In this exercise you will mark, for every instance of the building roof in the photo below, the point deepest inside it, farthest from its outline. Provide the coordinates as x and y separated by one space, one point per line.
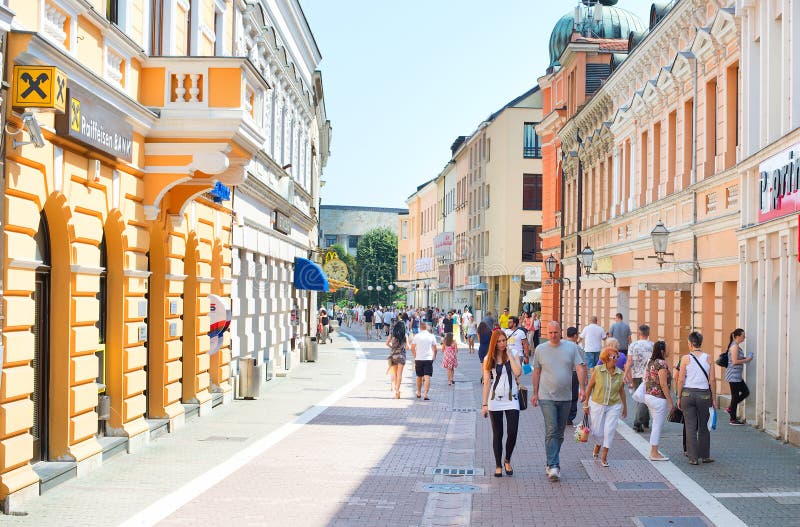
616 23
368 209
513 103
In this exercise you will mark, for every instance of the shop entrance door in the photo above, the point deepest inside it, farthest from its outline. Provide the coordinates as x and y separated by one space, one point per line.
41 345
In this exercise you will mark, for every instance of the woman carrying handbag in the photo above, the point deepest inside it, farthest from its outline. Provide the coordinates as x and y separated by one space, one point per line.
697 397
501 399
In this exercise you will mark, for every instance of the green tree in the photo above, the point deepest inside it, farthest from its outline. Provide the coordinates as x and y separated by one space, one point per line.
376 265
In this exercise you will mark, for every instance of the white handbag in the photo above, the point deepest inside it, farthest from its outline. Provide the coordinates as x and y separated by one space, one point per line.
638 395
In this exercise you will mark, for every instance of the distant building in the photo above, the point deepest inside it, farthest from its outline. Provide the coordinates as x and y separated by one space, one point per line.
346 224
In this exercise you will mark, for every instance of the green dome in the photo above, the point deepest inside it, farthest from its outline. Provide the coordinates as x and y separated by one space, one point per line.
616 23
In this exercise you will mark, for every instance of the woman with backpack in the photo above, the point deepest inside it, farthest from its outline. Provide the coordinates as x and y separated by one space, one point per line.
734 373
501 399
397 344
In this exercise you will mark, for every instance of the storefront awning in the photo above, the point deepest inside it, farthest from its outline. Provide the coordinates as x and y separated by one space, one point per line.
309 275
533 296
482 286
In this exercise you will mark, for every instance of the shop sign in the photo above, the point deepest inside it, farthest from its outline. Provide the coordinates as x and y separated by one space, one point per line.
39 87
665 286
96 124
602 265
443 245
445 277
423 265
282 223
533 274
780 185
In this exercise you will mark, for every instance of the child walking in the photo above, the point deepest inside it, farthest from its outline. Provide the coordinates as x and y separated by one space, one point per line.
449 357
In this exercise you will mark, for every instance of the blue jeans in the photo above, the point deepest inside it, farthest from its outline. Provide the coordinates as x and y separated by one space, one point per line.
592 357
555 420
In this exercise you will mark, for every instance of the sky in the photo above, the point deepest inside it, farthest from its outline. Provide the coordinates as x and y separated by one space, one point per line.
403 79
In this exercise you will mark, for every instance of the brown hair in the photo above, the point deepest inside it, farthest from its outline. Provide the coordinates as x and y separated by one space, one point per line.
490 360
448 339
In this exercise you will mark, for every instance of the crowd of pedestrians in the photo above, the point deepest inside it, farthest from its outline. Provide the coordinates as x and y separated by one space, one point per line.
591 366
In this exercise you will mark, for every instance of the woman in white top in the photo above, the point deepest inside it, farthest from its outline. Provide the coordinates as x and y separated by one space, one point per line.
696 397
500 398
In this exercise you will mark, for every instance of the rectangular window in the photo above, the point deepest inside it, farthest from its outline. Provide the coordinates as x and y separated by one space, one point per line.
404 230
330 239
403 265
711 127
688 142
352 242
531 243
531 146
112 11
531 192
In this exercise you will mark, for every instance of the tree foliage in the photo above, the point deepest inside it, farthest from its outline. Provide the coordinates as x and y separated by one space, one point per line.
376 265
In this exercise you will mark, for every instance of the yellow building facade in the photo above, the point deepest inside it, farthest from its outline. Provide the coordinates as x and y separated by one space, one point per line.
116 231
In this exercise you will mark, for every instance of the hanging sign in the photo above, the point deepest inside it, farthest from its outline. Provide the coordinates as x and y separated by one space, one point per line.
39 87
96 124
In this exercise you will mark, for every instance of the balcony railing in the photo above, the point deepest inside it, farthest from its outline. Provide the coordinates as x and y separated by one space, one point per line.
532 152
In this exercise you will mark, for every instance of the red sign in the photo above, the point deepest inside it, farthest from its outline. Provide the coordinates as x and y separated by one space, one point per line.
780 185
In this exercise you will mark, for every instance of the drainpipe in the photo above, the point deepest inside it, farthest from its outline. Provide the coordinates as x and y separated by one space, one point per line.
692 180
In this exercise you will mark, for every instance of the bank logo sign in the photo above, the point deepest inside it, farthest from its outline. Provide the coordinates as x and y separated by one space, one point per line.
39 87
96 124
780 184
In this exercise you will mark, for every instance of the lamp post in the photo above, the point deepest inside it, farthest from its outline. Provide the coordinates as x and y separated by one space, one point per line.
390 287
370 289
587 258
379 289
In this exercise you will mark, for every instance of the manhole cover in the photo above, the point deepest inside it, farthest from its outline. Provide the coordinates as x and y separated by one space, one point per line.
671 521
225 438
454 471
464 410
641 485
450 488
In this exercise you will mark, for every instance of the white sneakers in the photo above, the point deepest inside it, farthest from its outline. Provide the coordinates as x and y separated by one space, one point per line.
553 474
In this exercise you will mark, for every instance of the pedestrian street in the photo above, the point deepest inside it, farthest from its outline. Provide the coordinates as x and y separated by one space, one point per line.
332 446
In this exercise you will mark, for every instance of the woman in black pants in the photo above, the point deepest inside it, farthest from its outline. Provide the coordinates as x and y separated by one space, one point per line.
734 374
500 398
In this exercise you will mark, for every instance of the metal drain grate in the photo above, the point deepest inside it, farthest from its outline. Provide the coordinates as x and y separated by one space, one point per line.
463 410
454 471
225 438
671 521
450 488
641 485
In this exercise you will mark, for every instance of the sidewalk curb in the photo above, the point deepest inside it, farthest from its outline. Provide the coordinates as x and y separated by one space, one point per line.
170 503
702 499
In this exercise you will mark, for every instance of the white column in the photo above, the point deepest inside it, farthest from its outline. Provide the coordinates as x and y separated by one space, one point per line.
615 182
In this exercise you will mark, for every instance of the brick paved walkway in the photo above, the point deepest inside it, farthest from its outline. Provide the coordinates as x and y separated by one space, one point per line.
365 461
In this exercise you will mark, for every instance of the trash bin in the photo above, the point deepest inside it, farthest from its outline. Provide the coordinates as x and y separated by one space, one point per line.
250 378
311 349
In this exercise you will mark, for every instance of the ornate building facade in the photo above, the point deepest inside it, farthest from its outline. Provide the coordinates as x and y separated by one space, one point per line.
117 218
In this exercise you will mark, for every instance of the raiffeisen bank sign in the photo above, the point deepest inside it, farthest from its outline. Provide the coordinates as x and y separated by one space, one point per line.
780 184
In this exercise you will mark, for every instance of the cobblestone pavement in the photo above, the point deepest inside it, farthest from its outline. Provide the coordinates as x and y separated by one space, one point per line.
366 459
366 462
746 461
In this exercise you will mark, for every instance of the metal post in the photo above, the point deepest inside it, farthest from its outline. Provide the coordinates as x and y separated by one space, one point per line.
578 245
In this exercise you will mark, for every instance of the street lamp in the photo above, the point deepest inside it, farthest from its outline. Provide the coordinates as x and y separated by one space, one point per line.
660 237
550 265
379 289
370 288
587 258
